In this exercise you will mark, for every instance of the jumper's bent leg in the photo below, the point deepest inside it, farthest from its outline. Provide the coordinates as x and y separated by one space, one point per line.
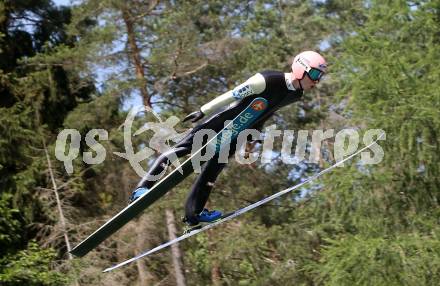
161 163
201 189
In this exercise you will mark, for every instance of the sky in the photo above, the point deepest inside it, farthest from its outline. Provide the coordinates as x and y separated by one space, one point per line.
62 2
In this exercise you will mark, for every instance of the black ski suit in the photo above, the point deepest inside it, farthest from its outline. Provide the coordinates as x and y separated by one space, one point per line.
276 87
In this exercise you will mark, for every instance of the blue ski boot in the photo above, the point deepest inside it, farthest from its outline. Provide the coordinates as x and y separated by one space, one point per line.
209 216
198 221
136 194
204 216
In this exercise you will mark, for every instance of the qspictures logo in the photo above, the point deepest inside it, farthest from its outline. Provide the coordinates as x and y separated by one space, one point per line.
308 148
163 138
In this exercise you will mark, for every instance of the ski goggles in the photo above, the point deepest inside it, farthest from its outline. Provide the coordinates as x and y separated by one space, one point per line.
313 73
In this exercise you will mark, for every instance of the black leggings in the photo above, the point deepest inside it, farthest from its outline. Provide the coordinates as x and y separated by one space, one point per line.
204 183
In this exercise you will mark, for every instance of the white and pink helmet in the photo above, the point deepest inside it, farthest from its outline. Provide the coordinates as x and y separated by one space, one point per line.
310 63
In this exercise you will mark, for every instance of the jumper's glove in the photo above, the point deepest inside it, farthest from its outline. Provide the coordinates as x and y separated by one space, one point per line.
194 116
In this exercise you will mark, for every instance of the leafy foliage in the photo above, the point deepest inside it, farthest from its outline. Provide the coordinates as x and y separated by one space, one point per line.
31 267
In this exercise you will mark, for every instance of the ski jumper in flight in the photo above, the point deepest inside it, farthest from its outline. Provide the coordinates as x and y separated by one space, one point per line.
278 88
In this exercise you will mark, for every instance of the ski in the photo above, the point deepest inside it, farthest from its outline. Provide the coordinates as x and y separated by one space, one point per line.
231 130
196 230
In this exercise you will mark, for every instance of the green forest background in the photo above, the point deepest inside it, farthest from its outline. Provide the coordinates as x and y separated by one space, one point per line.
83 65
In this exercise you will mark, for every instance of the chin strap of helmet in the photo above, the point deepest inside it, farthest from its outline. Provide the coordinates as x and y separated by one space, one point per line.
299 81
